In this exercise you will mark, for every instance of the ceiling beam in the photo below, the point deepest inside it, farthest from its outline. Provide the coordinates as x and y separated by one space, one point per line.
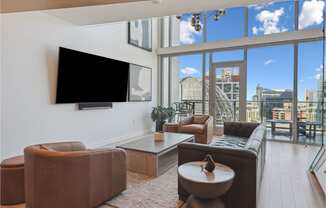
9 6
246 42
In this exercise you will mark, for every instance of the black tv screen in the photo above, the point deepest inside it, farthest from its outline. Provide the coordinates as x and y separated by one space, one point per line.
86 78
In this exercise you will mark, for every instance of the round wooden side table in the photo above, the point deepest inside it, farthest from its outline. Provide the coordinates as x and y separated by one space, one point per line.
205 187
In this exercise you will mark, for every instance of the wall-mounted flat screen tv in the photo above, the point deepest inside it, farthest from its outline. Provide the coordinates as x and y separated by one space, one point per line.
87 78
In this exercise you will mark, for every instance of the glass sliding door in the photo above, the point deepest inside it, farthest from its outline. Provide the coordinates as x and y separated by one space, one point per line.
226 100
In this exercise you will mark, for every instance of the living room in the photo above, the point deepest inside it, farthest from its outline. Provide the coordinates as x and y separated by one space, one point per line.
197 80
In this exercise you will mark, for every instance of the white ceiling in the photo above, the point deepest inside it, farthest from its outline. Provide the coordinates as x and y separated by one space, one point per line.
143 9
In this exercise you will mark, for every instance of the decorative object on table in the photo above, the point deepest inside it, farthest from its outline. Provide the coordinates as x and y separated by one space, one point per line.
140 33
159 136
160 115
210 163
205 189
140 83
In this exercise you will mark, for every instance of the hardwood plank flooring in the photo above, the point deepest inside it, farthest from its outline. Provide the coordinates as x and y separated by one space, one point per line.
287 182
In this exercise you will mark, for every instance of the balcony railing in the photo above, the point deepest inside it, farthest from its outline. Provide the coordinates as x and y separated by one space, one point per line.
277 114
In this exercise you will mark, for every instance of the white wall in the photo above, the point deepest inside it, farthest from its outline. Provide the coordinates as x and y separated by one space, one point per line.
30 42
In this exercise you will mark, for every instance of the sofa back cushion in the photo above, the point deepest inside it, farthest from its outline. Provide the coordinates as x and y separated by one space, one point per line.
240 129
186 121
199 119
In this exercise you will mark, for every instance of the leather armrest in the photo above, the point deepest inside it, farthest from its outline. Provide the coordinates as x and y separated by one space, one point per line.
107 166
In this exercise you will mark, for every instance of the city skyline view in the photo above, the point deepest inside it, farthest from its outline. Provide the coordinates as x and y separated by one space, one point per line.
270 67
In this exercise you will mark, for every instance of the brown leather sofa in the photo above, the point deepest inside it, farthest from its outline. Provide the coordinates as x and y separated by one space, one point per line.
67 175
243 149
199 125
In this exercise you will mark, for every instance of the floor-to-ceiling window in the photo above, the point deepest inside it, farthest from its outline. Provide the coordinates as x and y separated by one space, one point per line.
310 69
270 89
183 76
260 82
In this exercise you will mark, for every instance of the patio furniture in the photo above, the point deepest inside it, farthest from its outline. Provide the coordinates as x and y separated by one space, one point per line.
302 127
184 109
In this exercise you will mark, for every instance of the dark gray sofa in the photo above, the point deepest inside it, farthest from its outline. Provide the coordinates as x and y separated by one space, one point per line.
243 148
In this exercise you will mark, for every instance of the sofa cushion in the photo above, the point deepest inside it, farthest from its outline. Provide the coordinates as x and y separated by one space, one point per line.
192 129
199 119
231 141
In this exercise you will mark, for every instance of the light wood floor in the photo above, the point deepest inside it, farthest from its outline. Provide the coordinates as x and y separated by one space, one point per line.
287 182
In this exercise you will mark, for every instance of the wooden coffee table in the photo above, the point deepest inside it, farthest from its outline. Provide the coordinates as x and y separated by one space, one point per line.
205 187
149 157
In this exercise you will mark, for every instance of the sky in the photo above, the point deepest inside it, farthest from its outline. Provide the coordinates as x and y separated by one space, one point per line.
271 67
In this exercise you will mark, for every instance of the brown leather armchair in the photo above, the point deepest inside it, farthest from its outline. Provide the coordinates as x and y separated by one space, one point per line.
68 175
199 125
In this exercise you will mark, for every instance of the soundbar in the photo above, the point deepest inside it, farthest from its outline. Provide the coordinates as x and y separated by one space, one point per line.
94 106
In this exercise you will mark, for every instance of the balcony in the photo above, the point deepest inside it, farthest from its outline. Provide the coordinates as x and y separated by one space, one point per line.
276 114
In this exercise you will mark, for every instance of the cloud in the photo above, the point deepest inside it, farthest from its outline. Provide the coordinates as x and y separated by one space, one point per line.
260 6
188 71
269 21
268 62
311 13
187 32
320 68
255 30
317 76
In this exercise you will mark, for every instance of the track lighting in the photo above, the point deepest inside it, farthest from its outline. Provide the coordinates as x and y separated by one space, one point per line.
218 14
195 18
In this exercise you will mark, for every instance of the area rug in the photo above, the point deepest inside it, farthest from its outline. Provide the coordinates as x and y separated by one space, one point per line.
145 192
